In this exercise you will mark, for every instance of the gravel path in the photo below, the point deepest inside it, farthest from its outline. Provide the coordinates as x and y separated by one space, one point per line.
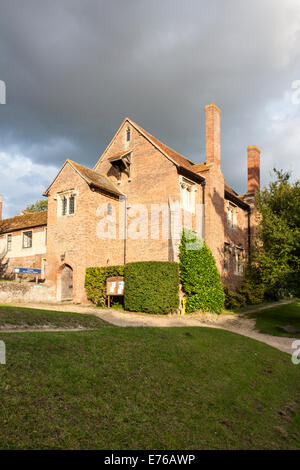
236 323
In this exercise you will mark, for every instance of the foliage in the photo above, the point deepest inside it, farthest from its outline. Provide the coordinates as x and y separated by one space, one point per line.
277 251
268 321
233 300
199 275
95 282
250 291
152 287
38 206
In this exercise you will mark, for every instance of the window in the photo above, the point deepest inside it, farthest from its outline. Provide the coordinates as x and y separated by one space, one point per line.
226 256
187 190
71 205
238 261
9 237
128 134
109 209
66 204
231 216
27 239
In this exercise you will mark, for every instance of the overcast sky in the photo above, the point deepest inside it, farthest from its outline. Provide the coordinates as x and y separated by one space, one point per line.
74 70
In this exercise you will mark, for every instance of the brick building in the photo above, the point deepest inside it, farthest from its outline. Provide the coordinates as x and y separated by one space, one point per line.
133 204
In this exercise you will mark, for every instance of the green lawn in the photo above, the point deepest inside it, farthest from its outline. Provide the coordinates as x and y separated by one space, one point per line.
147 388
17 317
268 319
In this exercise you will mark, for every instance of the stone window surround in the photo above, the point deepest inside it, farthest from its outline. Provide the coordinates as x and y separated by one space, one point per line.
239 255
233 209
60 196
191 187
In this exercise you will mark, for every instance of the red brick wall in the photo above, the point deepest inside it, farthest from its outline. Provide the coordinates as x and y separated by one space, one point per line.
235 236
154 179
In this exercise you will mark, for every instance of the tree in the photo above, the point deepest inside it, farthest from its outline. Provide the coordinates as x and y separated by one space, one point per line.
38 206
277 251
199 275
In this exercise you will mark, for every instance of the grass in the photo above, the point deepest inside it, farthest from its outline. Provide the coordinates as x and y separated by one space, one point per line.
147 388
268 319
17 317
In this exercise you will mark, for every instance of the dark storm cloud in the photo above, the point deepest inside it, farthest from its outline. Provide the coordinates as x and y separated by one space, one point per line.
75 69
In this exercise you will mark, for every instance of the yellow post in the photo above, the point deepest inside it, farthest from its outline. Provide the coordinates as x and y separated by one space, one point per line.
183 305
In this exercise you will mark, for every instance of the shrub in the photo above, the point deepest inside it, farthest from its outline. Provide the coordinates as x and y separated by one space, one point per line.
233 300
152 287
199 275
95 282
252 292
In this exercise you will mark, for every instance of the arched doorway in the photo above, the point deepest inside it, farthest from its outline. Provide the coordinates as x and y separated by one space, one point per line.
66 283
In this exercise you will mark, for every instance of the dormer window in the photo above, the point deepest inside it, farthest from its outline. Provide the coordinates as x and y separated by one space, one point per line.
128 134
121 164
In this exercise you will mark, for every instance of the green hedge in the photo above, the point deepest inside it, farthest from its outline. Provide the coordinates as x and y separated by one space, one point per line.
95 282
152 287
199 275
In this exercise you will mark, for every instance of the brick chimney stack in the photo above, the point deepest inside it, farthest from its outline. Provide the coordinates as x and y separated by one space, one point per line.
253 168
213 134
0 207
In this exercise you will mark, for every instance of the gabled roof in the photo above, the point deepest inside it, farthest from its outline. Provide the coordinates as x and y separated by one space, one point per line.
92 178
178 159
30 220
171 154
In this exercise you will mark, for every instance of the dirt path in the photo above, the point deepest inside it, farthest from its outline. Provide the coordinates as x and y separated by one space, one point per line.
236 323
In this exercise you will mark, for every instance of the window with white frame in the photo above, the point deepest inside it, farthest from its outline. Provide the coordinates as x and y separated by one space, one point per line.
238 261
9 240
27 239
66 203
187 193
231 215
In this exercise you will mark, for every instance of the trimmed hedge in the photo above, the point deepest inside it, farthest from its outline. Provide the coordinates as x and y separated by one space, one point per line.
199 275
152 287
95 282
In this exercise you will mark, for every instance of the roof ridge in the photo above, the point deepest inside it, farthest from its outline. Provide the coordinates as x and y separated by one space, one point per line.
158 143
